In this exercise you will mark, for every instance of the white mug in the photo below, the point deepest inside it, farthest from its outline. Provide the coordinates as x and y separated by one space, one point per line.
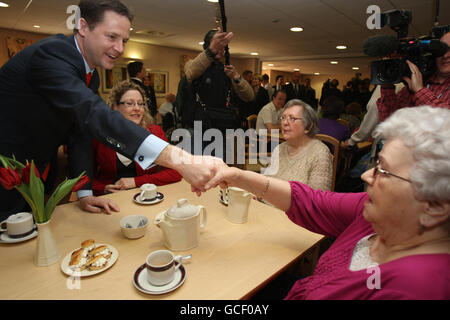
148 192
238 204
18 225
161 266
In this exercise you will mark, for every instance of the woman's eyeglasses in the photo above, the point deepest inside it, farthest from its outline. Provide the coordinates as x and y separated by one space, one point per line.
289 119
377 169
131 104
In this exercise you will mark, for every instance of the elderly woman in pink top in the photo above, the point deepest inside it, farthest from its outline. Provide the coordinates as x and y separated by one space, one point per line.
392 242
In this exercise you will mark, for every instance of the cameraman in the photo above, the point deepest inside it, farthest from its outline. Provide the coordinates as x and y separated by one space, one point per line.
435 91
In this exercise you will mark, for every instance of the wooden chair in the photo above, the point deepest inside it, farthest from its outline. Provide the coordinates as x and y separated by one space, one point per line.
251 121
330 141
344 122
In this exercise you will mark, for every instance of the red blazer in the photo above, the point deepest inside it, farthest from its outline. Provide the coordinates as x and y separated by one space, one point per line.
105 168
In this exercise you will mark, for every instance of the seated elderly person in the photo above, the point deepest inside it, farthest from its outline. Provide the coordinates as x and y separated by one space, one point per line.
269 116
114 172
392 242
301 157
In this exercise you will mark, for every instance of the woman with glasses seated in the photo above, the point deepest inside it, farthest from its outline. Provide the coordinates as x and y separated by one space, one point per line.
393 241
114 172
301 157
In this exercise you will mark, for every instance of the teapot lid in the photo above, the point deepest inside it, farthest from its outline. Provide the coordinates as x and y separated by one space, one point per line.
183 209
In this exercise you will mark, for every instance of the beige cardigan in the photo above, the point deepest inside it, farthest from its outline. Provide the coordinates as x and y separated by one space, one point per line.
313 166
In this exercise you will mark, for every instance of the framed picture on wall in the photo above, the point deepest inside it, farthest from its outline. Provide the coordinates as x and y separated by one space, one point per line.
14 45
111 77
160 82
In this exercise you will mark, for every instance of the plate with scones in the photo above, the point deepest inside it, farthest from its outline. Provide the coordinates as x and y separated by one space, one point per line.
89 259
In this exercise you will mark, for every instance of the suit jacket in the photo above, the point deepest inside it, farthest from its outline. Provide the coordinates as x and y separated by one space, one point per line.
292 94
44 103
105 167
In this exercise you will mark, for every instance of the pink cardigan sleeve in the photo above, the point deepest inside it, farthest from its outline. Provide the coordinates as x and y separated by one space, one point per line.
324 212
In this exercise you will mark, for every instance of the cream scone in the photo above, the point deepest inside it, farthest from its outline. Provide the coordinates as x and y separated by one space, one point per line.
81 251
88 244
78 262
103 250
96 263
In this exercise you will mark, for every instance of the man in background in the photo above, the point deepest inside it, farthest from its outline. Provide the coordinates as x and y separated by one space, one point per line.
136 71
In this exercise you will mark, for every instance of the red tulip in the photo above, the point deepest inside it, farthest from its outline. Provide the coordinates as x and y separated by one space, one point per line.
80 184
26 173
9 178
45 173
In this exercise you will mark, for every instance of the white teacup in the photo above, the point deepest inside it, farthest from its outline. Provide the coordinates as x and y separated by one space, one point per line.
161 266
18 225
148 192
238 204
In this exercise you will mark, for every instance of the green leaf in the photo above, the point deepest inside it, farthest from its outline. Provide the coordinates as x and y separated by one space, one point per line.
61 191
37 193
11 162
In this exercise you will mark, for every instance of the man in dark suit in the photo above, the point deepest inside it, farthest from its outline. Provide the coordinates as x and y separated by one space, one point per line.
294 90
136 72
44 103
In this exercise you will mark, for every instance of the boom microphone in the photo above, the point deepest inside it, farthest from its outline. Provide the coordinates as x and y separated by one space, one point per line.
380 45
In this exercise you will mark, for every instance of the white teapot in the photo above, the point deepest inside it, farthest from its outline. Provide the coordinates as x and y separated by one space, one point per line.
181 225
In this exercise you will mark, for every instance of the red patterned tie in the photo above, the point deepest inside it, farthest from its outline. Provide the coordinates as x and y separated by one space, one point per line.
88 78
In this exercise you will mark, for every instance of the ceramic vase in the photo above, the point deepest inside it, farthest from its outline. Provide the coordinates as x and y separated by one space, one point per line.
47 252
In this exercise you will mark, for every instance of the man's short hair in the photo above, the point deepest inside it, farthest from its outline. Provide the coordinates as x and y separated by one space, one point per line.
134 68
275 93
93 11
278 77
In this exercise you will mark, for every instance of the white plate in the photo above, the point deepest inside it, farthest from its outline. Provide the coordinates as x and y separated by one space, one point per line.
141 283
85 273
158 199
4 238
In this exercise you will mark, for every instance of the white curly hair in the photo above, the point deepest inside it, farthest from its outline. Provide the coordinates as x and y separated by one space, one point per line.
426 131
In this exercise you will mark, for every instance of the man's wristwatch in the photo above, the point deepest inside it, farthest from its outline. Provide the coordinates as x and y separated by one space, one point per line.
238 80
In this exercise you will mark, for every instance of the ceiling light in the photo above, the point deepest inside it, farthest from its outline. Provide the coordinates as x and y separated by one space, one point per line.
36 26
270 64
341 47
201 43
296 29
316 73
296 69
213 0
355 68
4 5
333 62
131 29
254 53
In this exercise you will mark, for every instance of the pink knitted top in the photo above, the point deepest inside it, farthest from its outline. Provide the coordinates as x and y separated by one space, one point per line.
339 215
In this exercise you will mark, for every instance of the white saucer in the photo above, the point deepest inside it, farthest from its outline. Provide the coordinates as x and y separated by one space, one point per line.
157 199
4 238
141 283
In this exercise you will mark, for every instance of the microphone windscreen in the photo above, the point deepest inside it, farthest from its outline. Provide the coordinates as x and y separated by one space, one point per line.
380 45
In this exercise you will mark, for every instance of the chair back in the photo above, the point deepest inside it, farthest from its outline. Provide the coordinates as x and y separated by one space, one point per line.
333 144
251 121
344 122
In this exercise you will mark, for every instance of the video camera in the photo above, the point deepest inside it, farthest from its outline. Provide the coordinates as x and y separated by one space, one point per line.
422 51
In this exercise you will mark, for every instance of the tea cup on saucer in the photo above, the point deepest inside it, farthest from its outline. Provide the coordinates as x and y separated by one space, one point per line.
18 225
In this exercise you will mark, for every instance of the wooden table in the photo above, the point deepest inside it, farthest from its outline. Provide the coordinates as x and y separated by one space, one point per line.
231 262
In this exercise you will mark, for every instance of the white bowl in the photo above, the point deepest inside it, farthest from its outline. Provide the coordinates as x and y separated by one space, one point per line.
130 226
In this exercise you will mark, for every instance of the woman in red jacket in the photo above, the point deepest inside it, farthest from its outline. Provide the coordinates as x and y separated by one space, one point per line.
114 172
